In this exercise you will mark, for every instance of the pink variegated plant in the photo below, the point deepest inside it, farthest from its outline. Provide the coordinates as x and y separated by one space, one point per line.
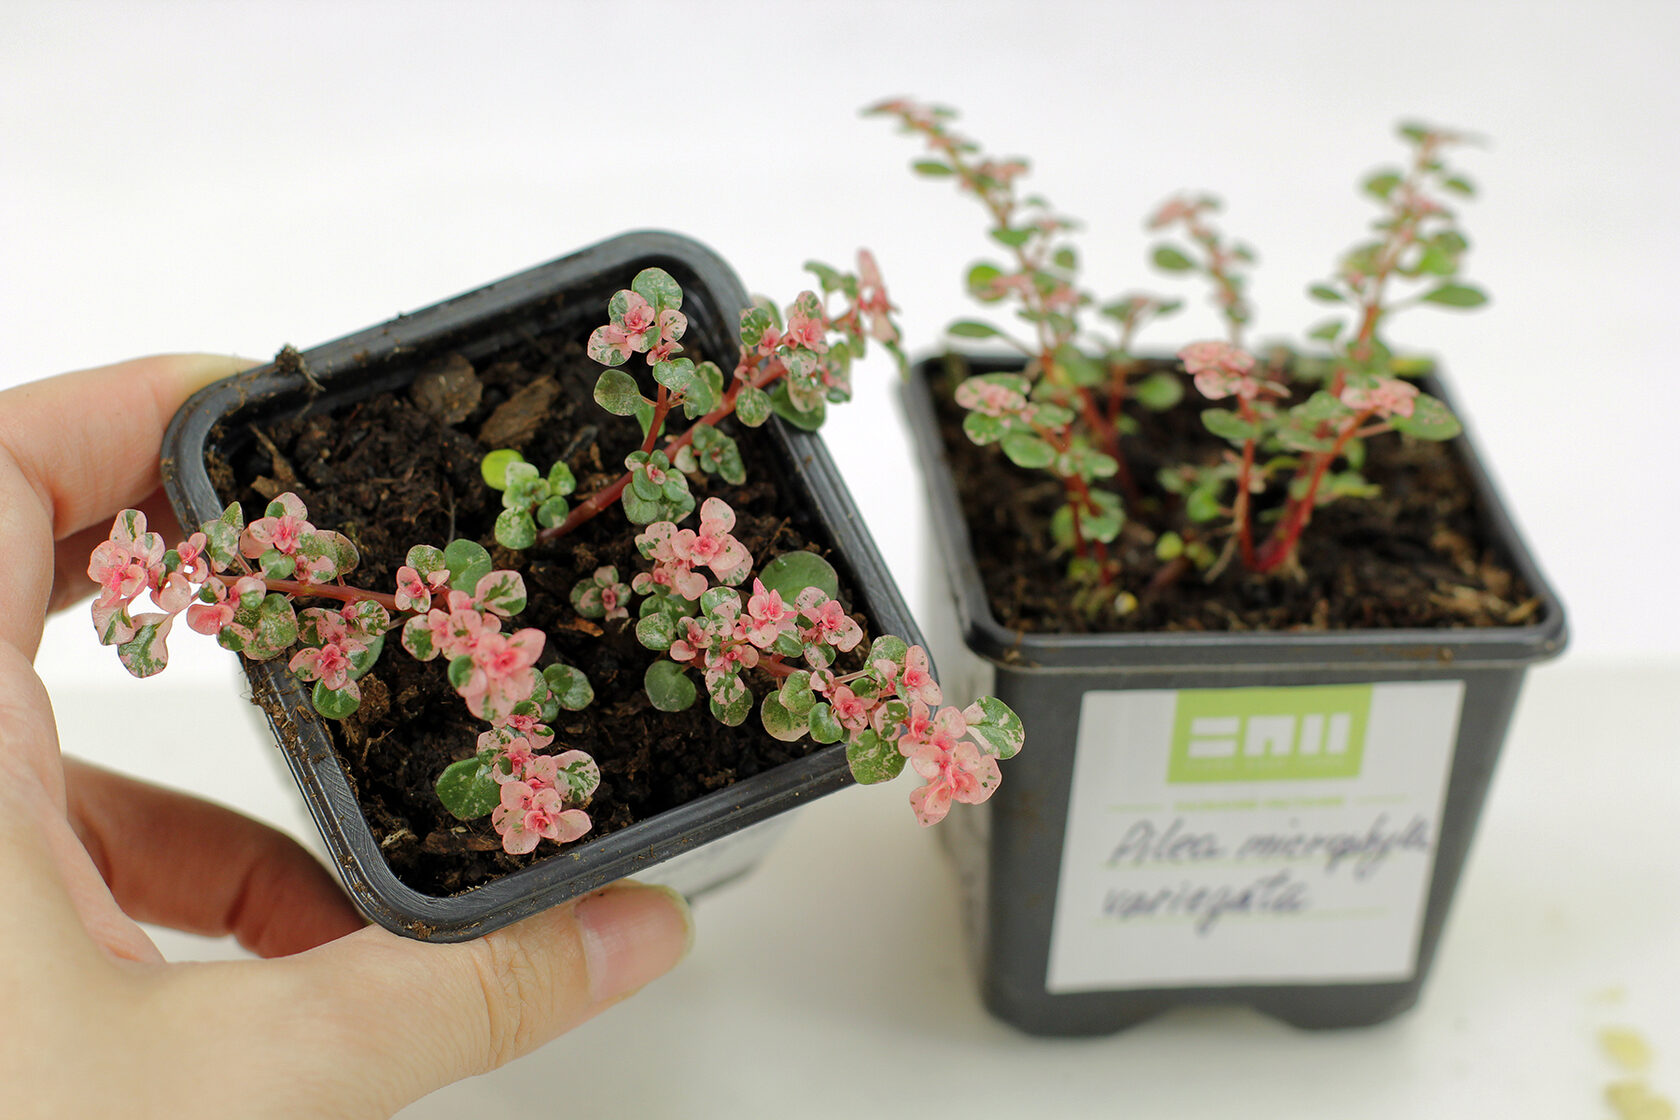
1296 423
781 651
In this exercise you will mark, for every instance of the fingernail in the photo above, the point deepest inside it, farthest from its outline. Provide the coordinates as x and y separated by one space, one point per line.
633 933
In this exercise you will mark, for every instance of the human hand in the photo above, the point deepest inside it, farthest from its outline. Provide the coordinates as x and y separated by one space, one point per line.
349 1021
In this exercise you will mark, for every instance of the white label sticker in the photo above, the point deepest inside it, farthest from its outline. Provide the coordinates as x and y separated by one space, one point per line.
1251 835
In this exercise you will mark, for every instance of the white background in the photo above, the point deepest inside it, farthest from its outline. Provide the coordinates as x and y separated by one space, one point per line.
233 177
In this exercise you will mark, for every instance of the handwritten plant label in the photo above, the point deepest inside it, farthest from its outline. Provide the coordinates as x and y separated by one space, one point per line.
1251 835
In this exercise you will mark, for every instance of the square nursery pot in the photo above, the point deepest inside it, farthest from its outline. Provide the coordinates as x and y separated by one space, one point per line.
1277 819
692 847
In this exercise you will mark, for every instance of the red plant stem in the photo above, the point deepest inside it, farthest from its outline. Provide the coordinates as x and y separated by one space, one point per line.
301 590
1399 236
1222 279
1001 213
1080 498
661 409
776 667
1239 508
1281 545
592 506
1108 436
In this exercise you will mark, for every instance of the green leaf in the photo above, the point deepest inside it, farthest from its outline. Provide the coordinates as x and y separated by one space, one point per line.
1456 295
656 631
1169 259
1081 370
1159 391
501 592
999 731
276 628
642 511
1327 330
542 703
705 392
888 647
1430 419
982 429
756 320
468 563
1025 449
1459 185
425 559
617 392
1382 184
824 727
335 703
981 278
677 375
1202 504
873 759
826 275
792 572
781 723
932 168
515 529
571 688
468 789
363 660
972 328
1228 425
552 512
1013 238
145 654
782 406
460 671
796 694
276 564
752 406
657 287
417 638
561 481
1061 527
714 597
1104 523
494 466
1350 484
222 535
1322 405
734 711
1325 294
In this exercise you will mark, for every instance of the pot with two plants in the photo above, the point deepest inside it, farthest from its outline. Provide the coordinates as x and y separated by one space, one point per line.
1260 610
552 583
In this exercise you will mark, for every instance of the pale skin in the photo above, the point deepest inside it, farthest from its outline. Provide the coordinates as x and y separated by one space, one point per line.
342 1019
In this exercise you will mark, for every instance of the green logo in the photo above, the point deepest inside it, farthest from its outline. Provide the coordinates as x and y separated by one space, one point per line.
1269 734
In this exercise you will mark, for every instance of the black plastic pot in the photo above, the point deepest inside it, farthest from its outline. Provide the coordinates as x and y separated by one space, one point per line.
1081 899
700 844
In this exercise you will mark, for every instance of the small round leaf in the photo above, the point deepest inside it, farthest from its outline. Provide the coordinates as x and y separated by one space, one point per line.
669 687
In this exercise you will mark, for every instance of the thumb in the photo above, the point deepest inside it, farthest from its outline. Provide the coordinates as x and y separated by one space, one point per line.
403 1018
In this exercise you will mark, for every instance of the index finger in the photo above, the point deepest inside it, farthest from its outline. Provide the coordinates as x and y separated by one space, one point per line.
74 449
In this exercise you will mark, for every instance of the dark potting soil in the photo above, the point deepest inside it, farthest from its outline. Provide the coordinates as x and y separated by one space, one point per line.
402 468
1414 556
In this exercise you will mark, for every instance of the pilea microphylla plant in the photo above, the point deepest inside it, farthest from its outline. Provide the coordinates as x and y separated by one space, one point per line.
1295 423
774 637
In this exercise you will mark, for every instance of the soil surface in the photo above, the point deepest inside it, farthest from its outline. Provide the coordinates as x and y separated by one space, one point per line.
402 468
1414 556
